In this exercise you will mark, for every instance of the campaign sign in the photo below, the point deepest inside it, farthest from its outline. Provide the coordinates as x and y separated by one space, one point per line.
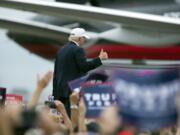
146 96
97 97
97 77
75 85
2 95
13 99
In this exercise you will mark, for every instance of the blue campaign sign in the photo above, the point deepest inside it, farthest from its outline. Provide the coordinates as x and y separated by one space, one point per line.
97 97
75 85
146 96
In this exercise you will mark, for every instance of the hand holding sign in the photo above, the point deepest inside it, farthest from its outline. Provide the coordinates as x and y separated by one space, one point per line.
74 98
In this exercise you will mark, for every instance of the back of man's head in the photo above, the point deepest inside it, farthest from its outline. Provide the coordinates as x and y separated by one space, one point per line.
78 32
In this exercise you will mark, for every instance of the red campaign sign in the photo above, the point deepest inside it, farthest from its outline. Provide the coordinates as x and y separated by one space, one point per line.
14 99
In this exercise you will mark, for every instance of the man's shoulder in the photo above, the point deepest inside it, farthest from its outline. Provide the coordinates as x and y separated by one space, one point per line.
74 47
68 45
71 45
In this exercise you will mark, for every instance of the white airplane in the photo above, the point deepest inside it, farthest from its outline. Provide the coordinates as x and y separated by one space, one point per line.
122 29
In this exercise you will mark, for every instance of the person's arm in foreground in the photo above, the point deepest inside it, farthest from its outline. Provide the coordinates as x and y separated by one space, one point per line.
41 84
74 99
82 113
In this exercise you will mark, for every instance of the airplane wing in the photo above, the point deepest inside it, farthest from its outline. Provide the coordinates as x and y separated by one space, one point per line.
34 28
39 29
131 27
81 12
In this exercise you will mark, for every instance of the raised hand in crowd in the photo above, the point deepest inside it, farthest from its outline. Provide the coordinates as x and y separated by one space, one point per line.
166 131
44 81
109 121
177 131
41 84
61 109
74 98
78 112
103 55
82 115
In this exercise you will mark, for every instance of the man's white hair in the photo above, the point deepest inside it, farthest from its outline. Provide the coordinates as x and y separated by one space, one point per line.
73 38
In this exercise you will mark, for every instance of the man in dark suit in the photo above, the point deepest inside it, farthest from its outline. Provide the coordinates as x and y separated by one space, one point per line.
71 63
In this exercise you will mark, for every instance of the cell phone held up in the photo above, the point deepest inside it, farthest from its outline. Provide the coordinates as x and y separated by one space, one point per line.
50 104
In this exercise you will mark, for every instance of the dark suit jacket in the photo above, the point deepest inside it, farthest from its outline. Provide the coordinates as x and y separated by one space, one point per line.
70 64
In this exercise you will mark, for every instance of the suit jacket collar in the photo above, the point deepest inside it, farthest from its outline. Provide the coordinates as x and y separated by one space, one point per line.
75 43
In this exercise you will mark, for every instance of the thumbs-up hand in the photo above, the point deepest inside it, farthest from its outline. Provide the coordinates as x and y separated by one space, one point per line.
103 55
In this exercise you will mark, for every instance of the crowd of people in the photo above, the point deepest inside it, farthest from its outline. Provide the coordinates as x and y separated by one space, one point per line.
19 119
35 119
